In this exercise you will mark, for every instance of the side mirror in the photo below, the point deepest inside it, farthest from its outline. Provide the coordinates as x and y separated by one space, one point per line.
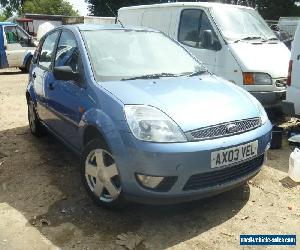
65 73
217 45
207 39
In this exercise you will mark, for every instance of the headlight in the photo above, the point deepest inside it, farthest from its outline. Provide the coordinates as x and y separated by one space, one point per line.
257 79
150 124
262 112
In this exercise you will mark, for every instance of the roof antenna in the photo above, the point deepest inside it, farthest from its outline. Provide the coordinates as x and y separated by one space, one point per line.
107 5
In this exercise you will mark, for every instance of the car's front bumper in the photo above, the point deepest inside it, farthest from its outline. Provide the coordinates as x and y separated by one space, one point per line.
182 160
270 99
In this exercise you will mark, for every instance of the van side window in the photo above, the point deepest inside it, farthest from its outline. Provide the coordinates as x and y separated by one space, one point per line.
67 51
22 37
195 30
15 35
47 51
11 34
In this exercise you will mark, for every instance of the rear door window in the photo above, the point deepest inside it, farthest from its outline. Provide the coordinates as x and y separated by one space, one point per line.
47 51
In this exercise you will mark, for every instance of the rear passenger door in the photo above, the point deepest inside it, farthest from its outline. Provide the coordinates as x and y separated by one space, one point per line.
65 98
194 27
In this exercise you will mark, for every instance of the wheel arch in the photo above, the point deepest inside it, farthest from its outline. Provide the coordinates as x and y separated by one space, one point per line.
27 57
95 124
30 94
90 133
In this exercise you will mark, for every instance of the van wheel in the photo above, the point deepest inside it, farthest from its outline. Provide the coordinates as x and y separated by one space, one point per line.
35 125
27 66
28 63
100 175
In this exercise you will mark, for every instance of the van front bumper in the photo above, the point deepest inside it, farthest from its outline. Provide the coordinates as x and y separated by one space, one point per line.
270 99
188 163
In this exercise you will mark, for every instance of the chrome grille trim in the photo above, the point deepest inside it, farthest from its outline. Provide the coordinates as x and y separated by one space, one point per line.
280 82
221 130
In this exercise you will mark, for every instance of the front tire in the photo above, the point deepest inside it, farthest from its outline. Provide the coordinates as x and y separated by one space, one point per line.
35 125
100 175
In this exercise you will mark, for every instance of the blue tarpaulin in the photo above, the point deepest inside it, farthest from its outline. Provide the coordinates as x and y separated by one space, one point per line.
3 58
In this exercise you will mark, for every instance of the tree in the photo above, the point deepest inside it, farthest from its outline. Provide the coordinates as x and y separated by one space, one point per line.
99 7
269 9
10 6
49 7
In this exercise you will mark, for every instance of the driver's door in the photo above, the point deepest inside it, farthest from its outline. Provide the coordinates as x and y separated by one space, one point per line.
14 50
17 43
65 99
193 27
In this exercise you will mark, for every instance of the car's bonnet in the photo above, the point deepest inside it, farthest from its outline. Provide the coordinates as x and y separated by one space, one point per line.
192 102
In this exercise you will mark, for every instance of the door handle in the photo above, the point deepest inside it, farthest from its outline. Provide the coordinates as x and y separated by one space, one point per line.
34 75
51 86
298 57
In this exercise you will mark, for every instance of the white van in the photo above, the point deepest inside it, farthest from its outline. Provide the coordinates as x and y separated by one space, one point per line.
293 90
232 41
16 47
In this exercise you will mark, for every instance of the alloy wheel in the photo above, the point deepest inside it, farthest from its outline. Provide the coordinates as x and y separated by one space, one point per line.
102 176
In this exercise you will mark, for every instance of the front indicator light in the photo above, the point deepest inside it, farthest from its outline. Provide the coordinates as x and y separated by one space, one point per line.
248 78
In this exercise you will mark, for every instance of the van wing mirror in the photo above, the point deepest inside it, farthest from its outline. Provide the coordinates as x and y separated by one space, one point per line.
207 39
65 73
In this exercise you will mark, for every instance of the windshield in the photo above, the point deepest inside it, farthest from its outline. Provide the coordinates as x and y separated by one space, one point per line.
124 54
241 23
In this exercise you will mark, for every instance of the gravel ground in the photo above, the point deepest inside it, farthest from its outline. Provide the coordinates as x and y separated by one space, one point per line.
43 204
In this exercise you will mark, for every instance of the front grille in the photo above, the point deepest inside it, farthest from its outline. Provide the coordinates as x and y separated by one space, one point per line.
225 175
224 129
280 82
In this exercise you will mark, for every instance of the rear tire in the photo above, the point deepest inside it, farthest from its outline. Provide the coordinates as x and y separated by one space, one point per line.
27 66
35 125
100 176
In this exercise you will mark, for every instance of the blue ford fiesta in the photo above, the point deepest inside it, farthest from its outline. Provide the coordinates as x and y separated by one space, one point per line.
149 122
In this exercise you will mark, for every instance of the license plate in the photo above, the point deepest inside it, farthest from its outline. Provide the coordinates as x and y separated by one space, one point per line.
233 155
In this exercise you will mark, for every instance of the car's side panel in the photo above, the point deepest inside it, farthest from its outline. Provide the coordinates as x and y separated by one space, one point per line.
3 57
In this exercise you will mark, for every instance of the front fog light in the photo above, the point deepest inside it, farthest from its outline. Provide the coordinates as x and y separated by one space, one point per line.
156 183
149 181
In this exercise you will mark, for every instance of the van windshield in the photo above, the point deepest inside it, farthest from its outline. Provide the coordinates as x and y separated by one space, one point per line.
127 54
240 23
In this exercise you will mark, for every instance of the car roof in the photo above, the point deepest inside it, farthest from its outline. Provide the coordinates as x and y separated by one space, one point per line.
187 4
92 27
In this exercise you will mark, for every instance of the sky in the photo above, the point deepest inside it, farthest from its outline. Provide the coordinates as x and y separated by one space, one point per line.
80 5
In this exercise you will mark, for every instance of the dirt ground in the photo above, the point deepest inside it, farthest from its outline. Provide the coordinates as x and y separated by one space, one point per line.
43 204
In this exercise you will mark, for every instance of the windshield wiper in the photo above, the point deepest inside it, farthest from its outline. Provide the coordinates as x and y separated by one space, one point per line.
272 39
152 76
250 38
196 73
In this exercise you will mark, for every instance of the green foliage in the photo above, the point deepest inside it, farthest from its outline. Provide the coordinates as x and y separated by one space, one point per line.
49 7
271 9
99 8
